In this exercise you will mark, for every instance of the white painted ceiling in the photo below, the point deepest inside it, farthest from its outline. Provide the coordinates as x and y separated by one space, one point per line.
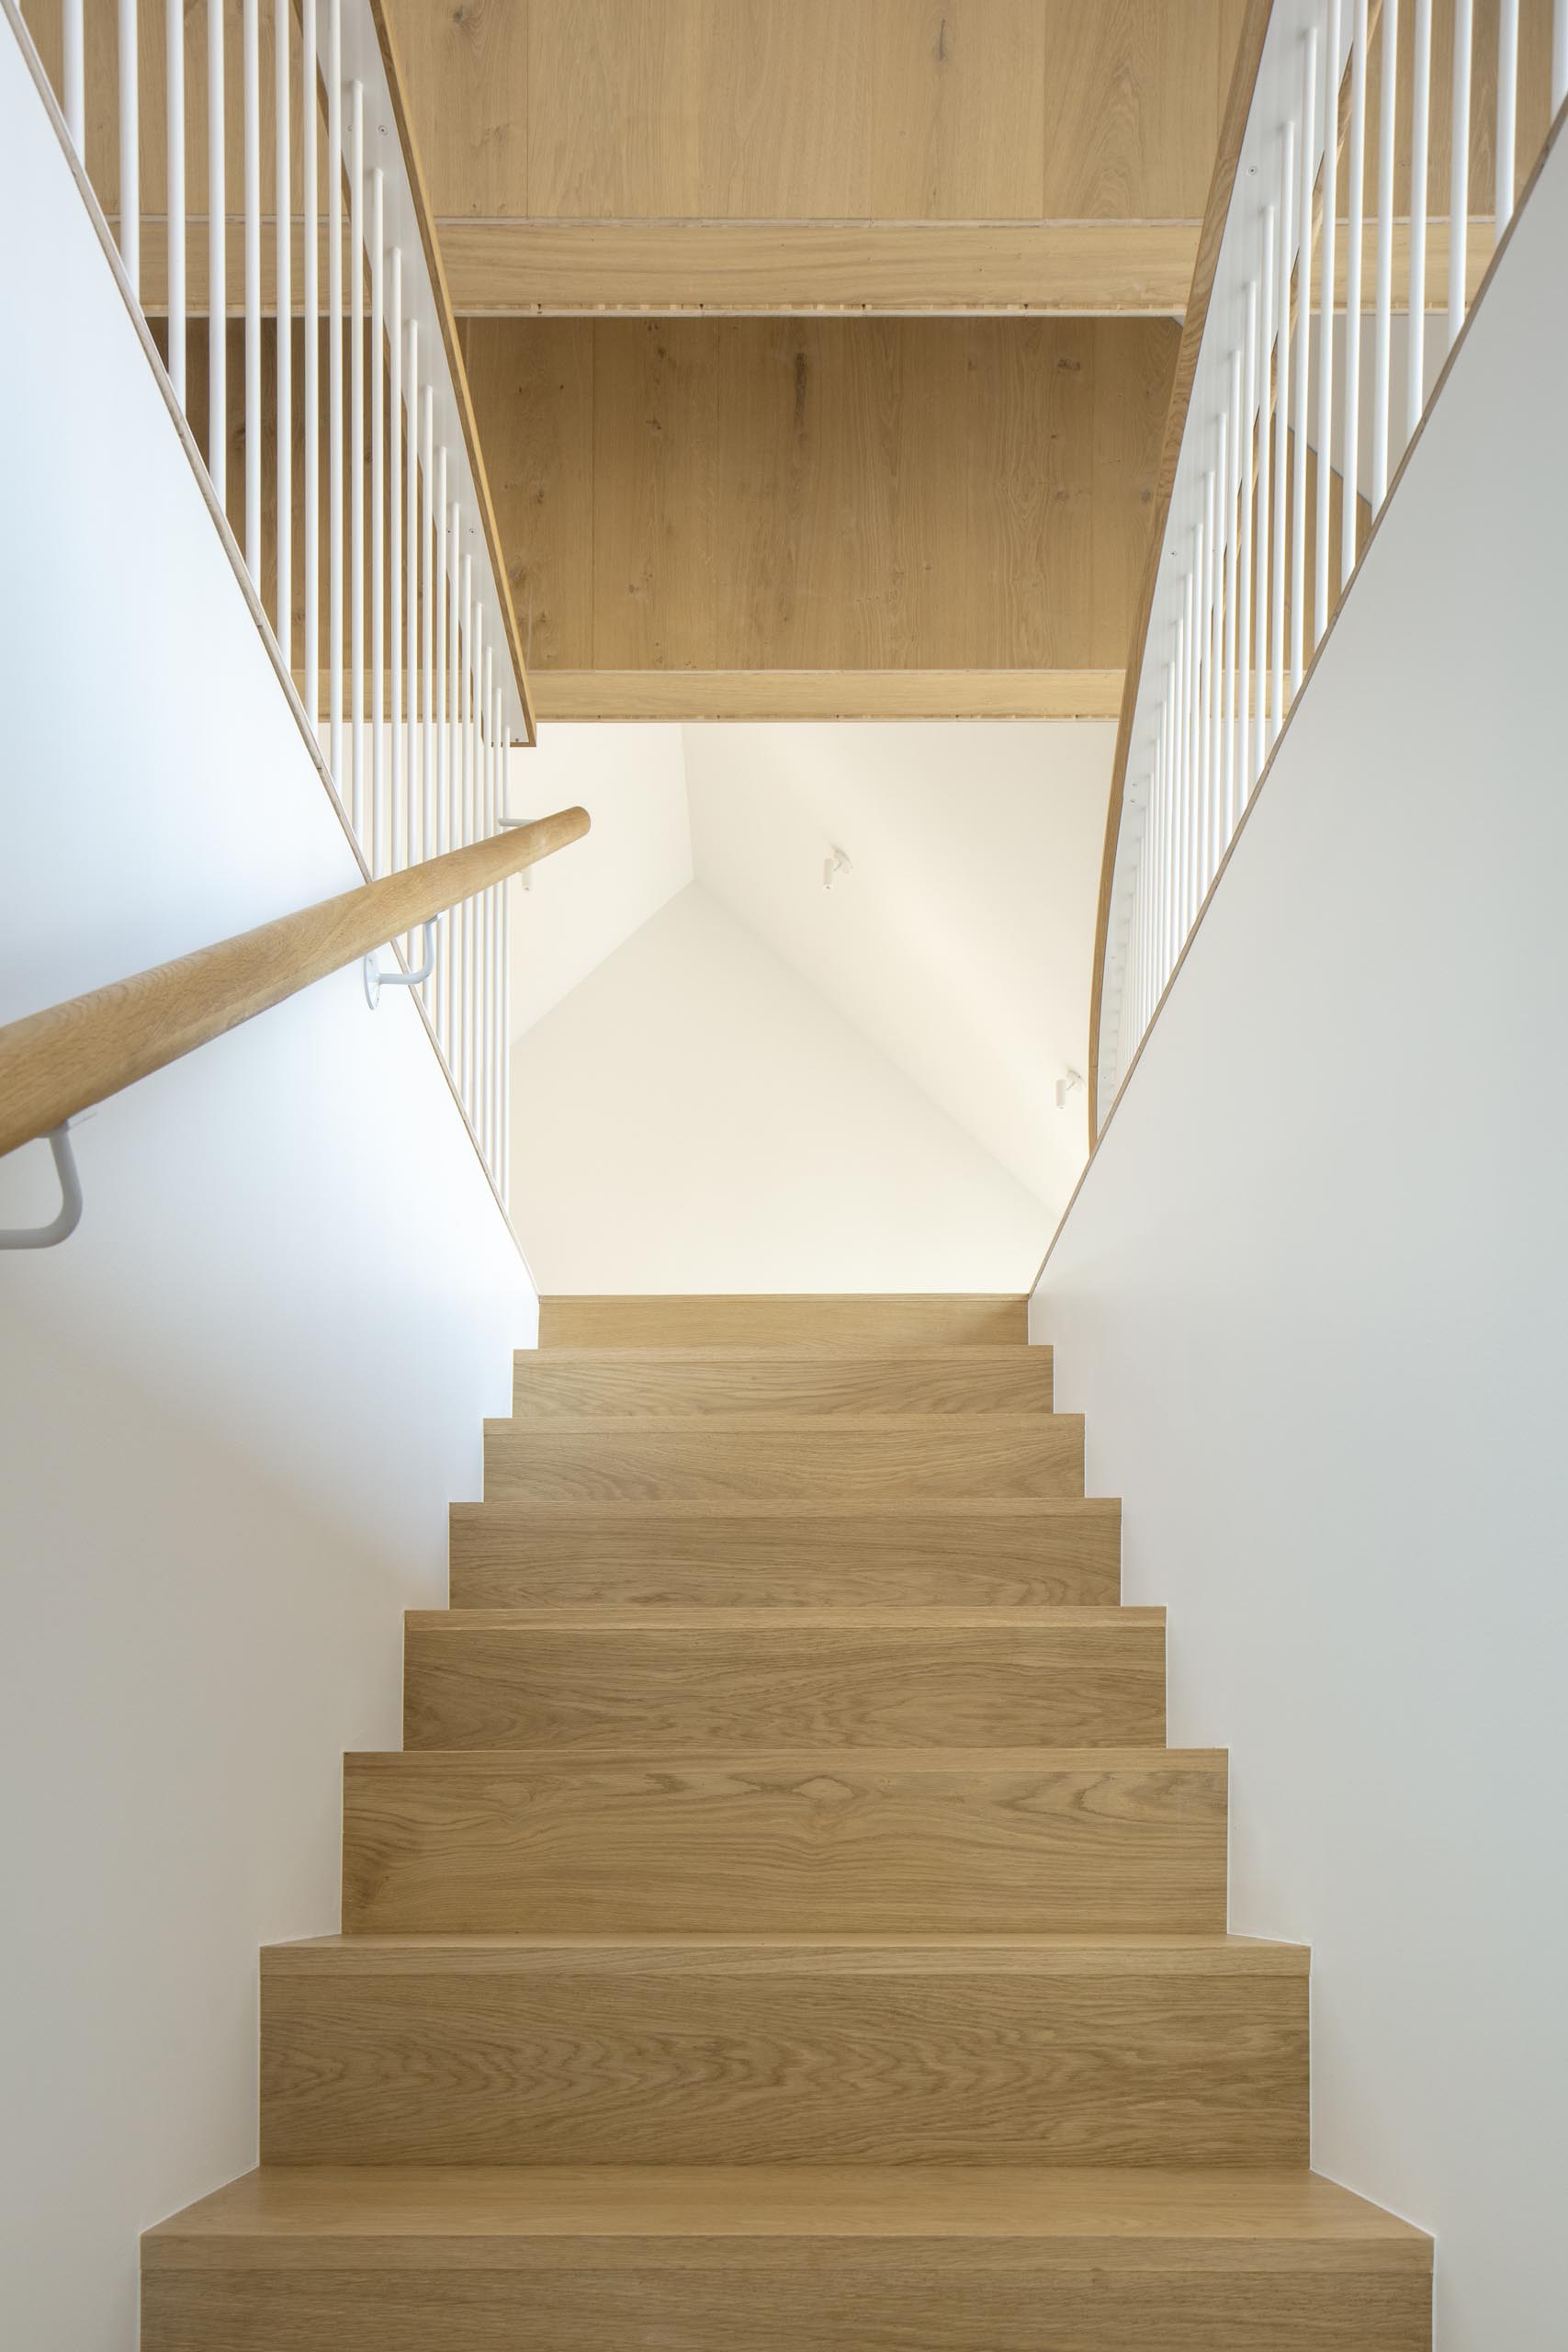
957 940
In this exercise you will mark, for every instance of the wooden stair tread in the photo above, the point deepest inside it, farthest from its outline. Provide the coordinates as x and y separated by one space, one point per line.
618 1617
826 1355
1174 1955
865 1318
948 1764
463 2215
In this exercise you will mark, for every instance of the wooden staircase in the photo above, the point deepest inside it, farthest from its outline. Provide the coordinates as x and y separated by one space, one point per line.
785 1929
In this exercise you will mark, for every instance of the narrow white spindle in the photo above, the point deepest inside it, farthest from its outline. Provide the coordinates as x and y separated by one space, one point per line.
1172 741
1420 138
357 455
480 828
1507 108
413 544
1263 509
504 1161
129 150
1355 230
217 261
471 829
396 838
1244 551
1459 167
1282 419
491 925
175 109
1234 519
454 763
1383 370
75 74
334 388
310 352
377 524
427 841
1194 738
1204 698
1214 496
1308 161
1331 62
283 209
442 985
250 24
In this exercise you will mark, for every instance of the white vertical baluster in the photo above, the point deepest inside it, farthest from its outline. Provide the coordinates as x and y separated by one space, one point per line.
174 108
427 799
1507 108
1172 754
1420 138
1355 230
283 202
410 618
1282 420
397 838
310 350
1264 507
454 764
1303 363
1325 313
1459 168
1233 556
442 990
217 260
377 526
504 1156
1382 385
470 826
334 388
129 150
1244 552
356 453
251 68
1189 822
76 75
1205 687
487 708
1214 497
480 828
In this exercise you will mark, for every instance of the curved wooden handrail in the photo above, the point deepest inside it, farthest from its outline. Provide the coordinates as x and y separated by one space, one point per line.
55 1064
1232 131
392 63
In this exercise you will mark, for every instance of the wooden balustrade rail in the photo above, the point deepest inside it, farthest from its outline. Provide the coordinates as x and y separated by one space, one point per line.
57 1063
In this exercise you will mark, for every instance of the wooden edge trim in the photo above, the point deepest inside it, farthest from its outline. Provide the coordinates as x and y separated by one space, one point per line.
392 63
697 696
1233 131
57 1063
1558 130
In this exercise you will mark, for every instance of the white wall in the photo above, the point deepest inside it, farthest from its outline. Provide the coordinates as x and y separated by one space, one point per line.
234 1406
959 942
693 1116
1311 1297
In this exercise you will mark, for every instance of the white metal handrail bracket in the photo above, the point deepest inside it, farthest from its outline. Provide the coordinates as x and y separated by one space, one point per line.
1319 356
390 589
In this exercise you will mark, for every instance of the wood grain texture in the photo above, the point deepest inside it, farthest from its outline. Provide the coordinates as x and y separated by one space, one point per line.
501 269
1076 1842
802 1318
785 2258
702 1680
57 1063
684 1381
897 110
977 1554
885 1458
823 496
542 2052
691 696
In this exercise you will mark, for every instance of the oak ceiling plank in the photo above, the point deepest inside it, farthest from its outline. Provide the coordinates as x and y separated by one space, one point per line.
467 70
1135 364
695 696
538 390
957 123
655 437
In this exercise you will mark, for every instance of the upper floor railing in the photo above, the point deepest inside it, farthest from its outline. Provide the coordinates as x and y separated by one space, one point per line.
1372 156
251 162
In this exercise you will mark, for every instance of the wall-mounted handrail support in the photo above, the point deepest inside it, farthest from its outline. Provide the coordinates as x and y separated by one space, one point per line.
61 1228
375 979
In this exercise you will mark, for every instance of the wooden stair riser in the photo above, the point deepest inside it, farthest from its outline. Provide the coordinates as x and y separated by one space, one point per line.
891 1460
692 2055
1112 1843
789 1320
1060 1552
812 1683
815 2297
727 1384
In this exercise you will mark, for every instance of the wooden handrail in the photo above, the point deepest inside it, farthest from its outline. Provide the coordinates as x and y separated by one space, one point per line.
1232 131
55 1064
392 63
